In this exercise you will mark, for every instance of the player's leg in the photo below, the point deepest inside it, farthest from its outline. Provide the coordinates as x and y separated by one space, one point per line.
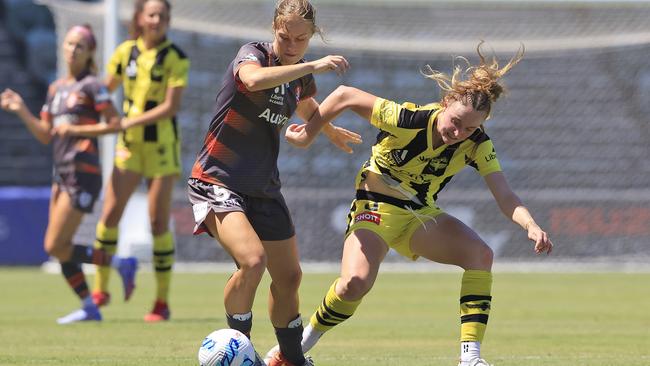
160 199
237 237
448 240
363 253
63 223
284 267
120 187
220 212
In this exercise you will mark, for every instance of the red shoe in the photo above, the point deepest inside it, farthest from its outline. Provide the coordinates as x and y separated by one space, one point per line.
159 313
278 360
101 298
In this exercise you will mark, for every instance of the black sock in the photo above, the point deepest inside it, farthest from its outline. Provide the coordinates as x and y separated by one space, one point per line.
241 322
289 340
75 278
86 254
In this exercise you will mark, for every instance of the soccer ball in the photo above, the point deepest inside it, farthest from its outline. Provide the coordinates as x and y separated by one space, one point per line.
226 347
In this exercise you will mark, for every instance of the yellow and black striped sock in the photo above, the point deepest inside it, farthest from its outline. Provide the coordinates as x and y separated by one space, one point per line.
106 239
475 304
163 261
332 311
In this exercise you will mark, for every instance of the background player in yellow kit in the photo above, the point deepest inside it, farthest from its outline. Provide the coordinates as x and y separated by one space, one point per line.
418 150
153 72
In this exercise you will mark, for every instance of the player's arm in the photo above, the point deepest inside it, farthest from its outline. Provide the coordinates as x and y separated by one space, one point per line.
344 97
11 101
112 82
513 208
255 77
340 137
167 108
111 125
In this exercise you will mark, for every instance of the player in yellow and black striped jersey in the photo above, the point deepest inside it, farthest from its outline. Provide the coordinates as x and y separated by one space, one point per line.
153 72
418 151
407 159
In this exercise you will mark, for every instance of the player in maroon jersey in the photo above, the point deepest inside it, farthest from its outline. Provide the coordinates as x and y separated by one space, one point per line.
234 186
70 120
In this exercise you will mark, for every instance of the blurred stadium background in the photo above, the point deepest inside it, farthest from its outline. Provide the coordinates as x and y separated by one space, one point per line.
572 135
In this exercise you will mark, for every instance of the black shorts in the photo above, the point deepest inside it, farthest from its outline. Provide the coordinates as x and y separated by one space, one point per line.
83 189
269 217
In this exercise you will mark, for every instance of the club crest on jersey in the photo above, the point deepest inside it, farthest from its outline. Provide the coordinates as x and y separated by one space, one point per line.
273 118
399 156
277 97
75 98
373 217
132 69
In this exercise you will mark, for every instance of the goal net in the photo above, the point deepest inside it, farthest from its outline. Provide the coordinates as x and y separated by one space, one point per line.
572 134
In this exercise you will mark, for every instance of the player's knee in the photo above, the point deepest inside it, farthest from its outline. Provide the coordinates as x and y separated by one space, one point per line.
481 258
252 268
55 249
486 256
290 281
354 288
111 218
159 226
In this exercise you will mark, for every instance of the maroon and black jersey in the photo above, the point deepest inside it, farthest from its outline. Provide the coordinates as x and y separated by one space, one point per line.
77 103
242 145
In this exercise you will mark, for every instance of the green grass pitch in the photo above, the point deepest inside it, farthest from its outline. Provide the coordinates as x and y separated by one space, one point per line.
600 319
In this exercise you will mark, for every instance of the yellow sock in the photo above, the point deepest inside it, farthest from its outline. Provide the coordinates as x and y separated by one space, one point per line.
163 261
106 239
332 311
475 303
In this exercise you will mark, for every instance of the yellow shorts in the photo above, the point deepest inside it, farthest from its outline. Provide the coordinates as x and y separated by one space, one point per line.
390 219
151 159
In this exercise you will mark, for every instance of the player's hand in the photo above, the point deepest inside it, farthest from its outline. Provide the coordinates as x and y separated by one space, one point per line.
124 124
342 138
11 101
541 239
62 130
297 136
331 63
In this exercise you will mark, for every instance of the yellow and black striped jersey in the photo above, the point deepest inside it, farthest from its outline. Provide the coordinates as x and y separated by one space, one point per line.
146 75
405 156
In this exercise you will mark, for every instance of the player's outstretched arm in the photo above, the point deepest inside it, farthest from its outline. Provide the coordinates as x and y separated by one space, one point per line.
168 108
255 77
111 125
513 208
338 136
344 97
11 101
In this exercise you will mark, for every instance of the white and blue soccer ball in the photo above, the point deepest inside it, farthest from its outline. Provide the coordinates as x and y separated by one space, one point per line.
226 347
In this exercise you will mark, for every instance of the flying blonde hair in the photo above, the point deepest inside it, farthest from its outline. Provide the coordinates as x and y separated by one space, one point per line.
476 84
